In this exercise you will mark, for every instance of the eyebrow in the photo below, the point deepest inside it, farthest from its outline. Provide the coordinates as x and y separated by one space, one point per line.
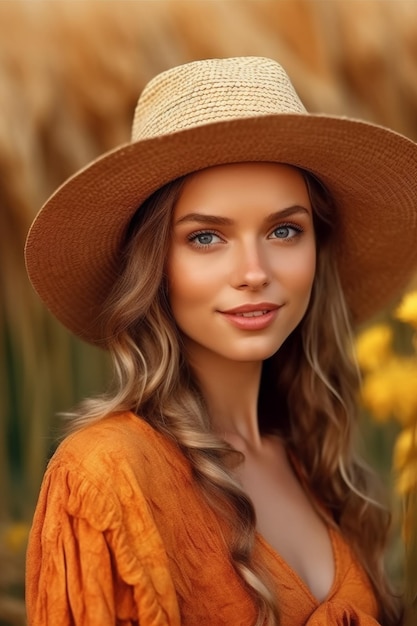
217 220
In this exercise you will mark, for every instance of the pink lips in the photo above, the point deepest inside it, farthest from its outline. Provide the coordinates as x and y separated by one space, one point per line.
252 316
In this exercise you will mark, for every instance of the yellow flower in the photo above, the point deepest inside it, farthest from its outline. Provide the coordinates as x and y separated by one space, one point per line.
405 447
405 410
392 391
378 395
15 536
405 460
407 310
407 479
373 346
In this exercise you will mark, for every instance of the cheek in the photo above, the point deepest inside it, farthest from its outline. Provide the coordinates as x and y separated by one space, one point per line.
307 275
300 270
308 271
189 283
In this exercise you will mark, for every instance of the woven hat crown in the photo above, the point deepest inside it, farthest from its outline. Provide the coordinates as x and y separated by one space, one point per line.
215 90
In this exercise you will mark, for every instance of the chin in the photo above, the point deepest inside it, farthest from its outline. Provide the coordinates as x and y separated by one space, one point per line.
255 355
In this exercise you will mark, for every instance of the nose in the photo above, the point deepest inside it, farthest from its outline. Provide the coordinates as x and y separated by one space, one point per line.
251 270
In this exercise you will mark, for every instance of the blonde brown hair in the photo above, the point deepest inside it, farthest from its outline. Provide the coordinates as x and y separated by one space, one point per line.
312 379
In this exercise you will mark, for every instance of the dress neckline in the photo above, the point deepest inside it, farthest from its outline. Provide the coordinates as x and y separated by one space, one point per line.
301 583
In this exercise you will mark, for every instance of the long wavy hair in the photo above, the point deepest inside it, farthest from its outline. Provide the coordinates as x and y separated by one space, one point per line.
312 379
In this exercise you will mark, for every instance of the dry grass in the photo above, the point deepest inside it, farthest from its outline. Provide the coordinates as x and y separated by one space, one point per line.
70 73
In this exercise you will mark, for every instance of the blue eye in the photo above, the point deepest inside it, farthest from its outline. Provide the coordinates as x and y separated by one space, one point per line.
204 239
286 231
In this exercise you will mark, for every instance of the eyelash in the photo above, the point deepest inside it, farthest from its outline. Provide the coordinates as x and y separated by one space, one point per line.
193 237
296 227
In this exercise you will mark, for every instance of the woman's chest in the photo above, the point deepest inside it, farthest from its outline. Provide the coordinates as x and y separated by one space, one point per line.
288 522
208 589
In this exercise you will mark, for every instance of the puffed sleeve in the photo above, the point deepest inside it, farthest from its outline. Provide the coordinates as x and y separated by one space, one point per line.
91 563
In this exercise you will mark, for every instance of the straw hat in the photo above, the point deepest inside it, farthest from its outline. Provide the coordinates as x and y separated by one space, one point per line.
220 111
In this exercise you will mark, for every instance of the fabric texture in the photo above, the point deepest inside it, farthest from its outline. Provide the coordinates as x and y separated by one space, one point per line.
122 536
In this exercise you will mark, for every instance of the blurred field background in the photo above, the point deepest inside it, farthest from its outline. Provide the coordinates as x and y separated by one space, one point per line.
70 75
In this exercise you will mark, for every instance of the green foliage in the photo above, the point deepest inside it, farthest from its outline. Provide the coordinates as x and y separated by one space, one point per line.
39 379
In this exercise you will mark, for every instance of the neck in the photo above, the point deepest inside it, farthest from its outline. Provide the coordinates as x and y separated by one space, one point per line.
230 390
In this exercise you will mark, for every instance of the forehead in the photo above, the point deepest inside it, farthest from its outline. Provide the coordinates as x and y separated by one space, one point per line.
244 183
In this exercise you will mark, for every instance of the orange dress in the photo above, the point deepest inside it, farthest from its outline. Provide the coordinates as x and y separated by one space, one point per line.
122 536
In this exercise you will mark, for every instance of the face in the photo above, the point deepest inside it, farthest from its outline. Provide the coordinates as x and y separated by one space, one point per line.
241 261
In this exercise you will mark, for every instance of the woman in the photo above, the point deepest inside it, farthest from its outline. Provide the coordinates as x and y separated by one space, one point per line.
221 258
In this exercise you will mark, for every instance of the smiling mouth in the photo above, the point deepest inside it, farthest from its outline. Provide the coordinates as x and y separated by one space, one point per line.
252 319
252 313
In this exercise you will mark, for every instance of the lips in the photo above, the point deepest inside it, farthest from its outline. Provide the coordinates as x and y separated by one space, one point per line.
251 310
252 313
252 316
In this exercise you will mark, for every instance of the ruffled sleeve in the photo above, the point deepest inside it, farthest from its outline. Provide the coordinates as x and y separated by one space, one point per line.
91 564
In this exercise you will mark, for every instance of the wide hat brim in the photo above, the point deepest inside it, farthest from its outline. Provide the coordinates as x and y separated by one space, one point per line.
73 247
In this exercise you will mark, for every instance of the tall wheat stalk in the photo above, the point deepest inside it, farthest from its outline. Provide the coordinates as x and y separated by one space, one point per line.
70 74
